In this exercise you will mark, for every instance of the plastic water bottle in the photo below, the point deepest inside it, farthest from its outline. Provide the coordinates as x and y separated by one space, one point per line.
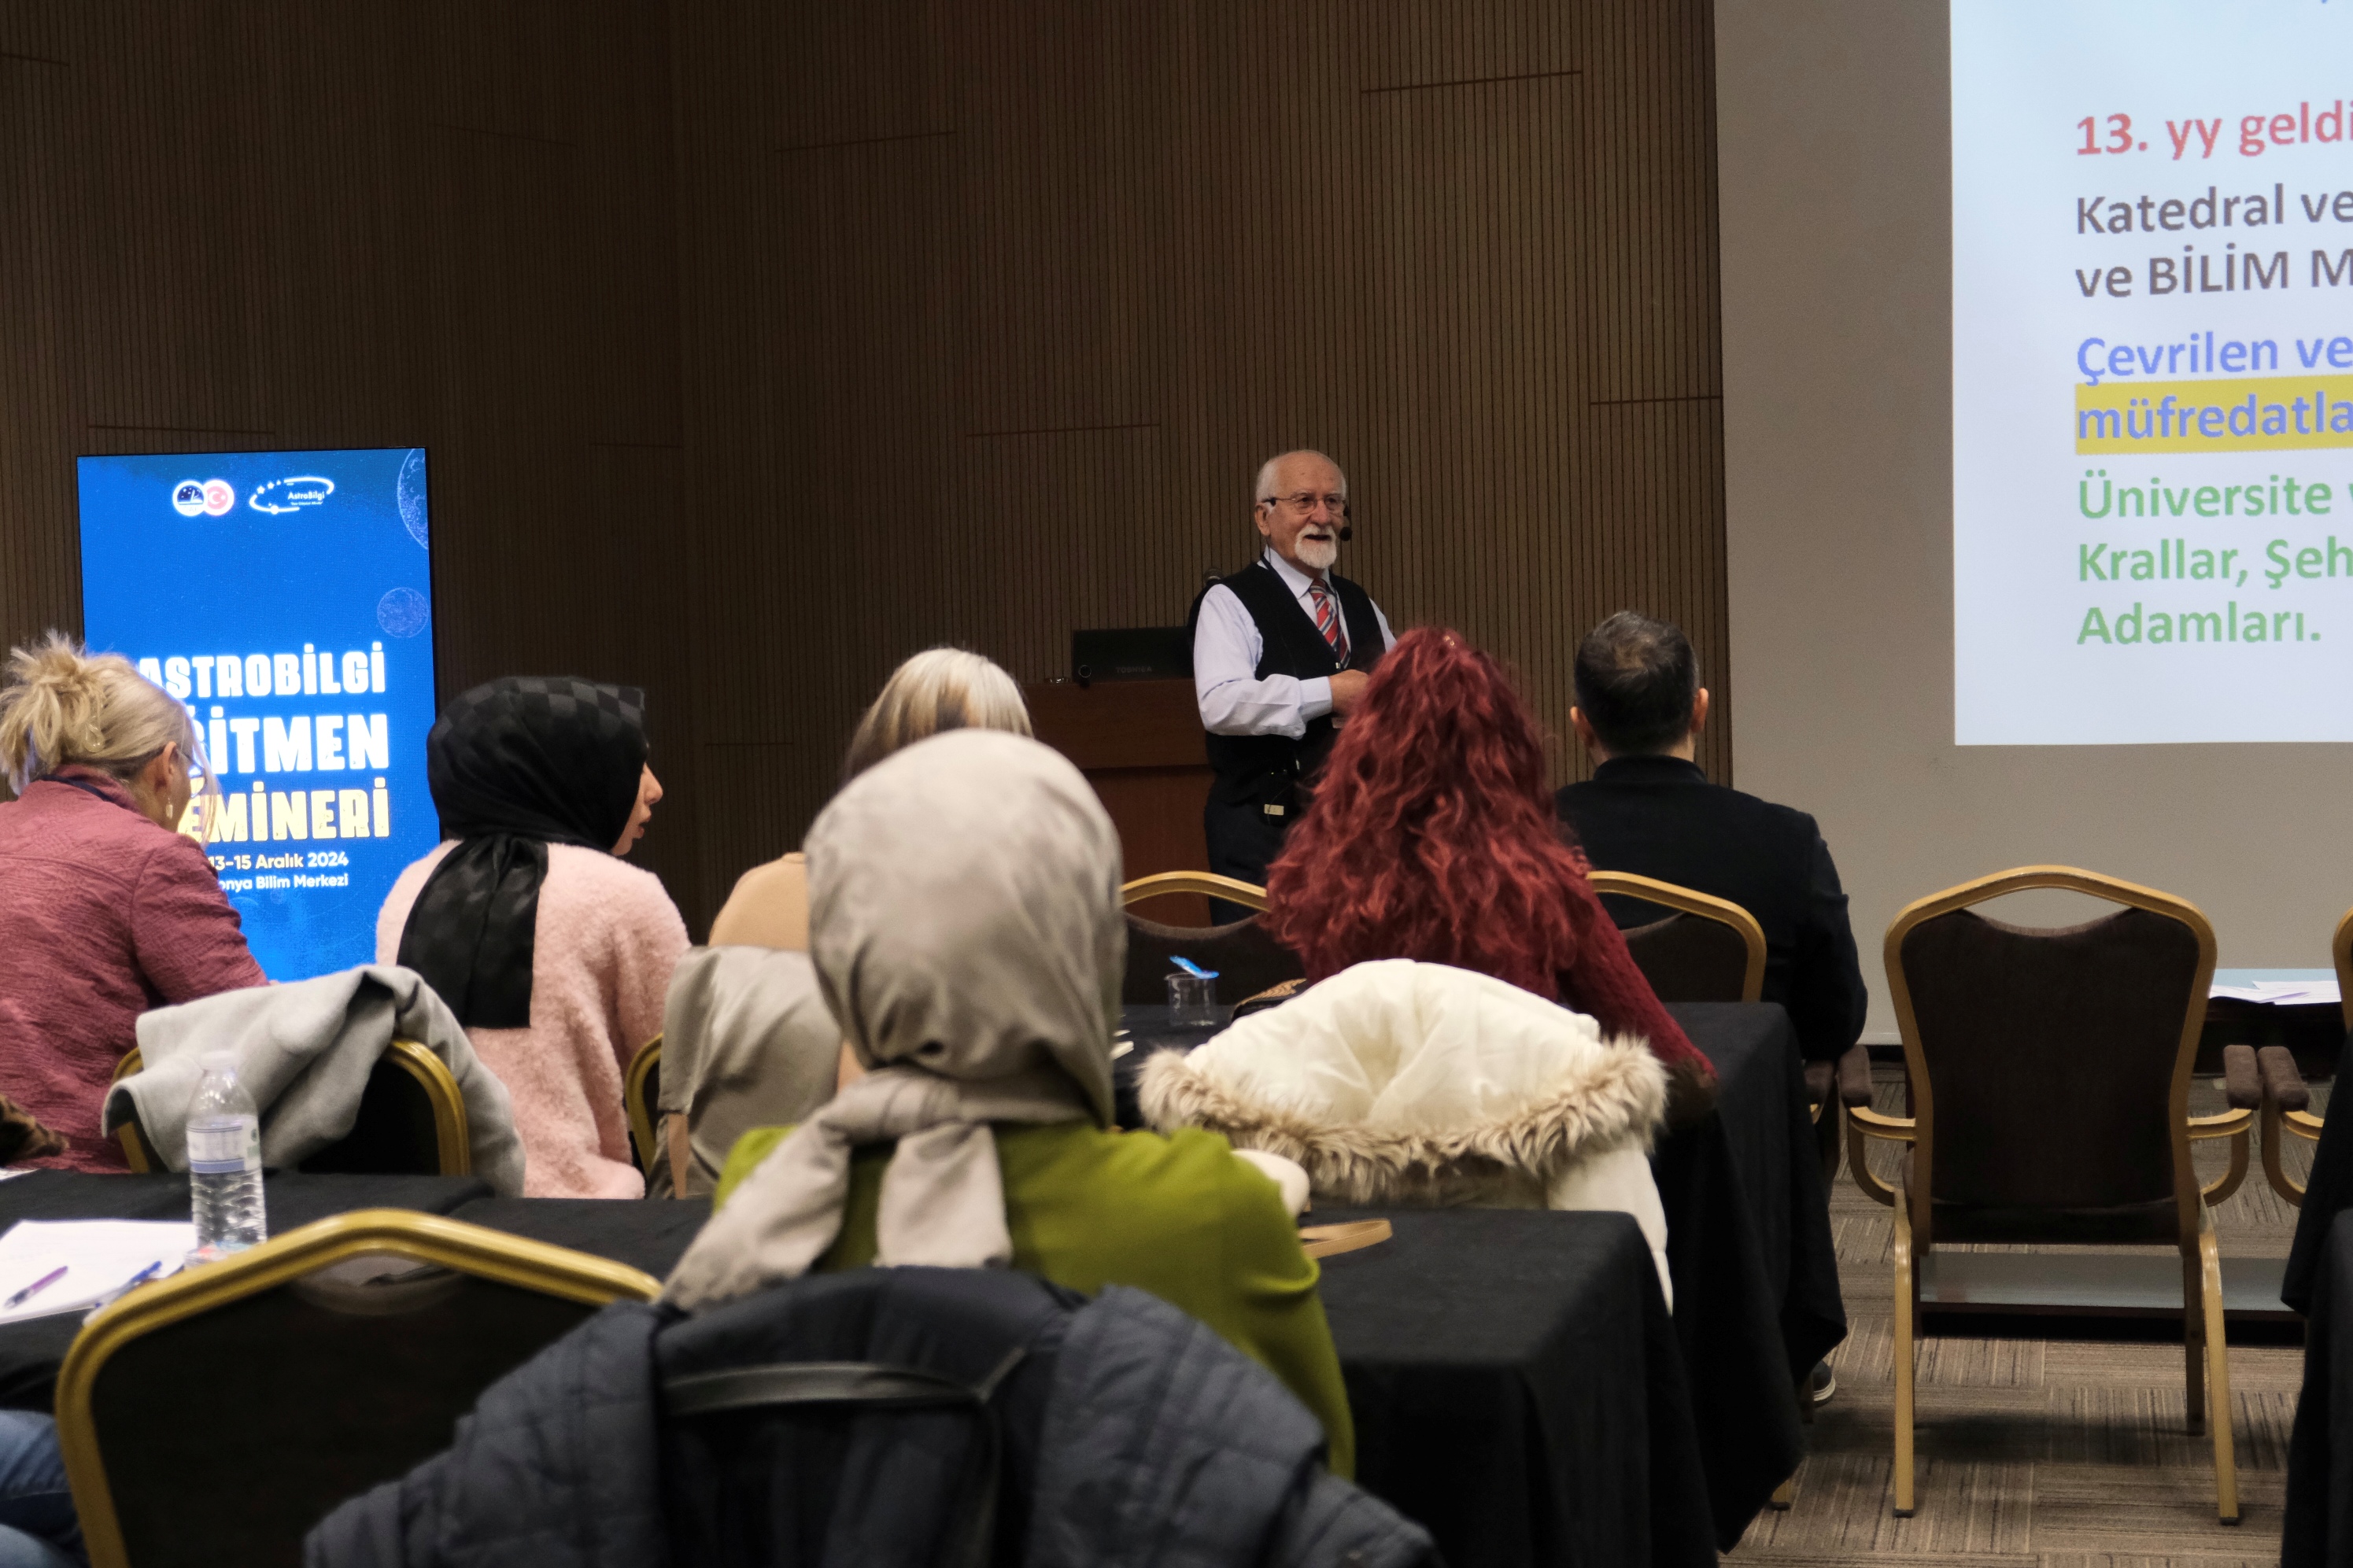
224 1162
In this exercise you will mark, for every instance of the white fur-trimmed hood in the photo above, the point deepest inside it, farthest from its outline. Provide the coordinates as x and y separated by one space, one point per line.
1397 1081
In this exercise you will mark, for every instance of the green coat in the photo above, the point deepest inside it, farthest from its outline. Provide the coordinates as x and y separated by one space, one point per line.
1178 1217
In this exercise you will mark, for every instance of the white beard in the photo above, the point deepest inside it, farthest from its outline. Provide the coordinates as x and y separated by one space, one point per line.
1319 554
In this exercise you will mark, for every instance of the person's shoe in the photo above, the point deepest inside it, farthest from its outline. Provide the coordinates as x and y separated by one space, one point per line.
1825 1381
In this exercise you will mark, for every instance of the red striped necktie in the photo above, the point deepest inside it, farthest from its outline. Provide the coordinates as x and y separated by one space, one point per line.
1328 620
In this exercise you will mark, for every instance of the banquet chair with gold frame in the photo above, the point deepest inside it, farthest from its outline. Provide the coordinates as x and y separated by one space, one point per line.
2286 1110
1712 950
2268 1079
1705 950
1247 959
640 1093
411 1121
2050 1075
216 1416
1250 894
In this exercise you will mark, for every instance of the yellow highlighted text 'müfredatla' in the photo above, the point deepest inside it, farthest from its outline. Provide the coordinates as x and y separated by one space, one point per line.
2270 414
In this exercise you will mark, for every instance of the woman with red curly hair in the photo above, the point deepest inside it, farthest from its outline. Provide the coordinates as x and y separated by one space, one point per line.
1430 837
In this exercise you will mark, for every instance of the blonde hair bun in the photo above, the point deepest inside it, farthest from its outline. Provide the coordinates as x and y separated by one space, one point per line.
64 706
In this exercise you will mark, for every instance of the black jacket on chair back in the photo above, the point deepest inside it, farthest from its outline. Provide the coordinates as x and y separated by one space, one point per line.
1261 770
1072 1433
1660 817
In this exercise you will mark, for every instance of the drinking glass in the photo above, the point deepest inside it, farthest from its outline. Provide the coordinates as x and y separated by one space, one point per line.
1192 1000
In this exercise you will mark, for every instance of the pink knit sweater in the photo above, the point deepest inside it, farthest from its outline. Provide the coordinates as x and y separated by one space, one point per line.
102 916
606 939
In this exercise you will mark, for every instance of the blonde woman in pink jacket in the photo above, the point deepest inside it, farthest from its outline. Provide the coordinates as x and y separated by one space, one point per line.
105 910
553 952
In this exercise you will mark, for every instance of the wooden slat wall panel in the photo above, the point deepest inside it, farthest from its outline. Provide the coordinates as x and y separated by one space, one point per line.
176 175
761 342
253 224
41 382
1039 282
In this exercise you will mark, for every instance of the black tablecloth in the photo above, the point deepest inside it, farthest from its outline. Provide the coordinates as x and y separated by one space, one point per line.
1421 1322
1732 1188
1517 1387
1749 1244
1763 1109
2319 1524
652 1236
31 1351
2328 1192
1515 1381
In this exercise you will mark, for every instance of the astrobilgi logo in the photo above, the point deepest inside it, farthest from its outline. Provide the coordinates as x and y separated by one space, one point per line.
203 497
295 494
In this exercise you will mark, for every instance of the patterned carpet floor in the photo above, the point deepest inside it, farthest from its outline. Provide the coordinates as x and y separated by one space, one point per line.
2037 1453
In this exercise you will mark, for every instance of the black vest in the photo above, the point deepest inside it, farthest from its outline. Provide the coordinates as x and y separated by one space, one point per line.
1263 770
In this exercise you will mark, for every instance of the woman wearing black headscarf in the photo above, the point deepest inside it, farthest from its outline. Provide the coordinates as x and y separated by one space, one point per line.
554 954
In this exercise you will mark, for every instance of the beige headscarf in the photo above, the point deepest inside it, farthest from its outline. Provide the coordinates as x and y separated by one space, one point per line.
964 921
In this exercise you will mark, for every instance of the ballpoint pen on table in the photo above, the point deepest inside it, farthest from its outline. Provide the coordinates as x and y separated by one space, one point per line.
141 1278
124 1288
34 1289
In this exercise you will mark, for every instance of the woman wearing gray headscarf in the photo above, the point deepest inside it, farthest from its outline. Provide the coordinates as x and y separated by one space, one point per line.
966 926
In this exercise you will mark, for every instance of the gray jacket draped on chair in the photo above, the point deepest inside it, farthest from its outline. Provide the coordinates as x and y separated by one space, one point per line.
304 1051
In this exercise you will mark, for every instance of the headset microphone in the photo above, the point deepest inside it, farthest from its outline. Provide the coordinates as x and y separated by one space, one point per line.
1347 532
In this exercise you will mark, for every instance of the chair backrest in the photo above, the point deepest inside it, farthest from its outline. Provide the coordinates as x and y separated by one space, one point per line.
1250 894
2340 954
1708 950
640 1092
138 1149
778 1409
1246 958
215 1416
411 1121
2050 1068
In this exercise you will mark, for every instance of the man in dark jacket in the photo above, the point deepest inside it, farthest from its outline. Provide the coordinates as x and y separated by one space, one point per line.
1650 810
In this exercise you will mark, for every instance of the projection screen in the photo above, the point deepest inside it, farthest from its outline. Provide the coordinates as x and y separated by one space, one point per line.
2035 478
2152 372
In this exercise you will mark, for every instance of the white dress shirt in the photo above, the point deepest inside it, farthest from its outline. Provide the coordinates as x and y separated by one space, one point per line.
1226 650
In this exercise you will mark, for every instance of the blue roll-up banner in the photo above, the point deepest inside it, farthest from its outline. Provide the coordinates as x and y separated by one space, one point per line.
286 599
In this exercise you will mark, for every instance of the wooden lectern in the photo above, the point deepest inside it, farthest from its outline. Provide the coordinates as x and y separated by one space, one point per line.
1139 742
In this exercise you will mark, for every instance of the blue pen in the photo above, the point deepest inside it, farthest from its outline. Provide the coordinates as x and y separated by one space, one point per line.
1193 969
112 1297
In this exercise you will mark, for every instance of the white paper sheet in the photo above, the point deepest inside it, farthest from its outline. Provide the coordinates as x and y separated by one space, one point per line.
2278 993
99 1256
